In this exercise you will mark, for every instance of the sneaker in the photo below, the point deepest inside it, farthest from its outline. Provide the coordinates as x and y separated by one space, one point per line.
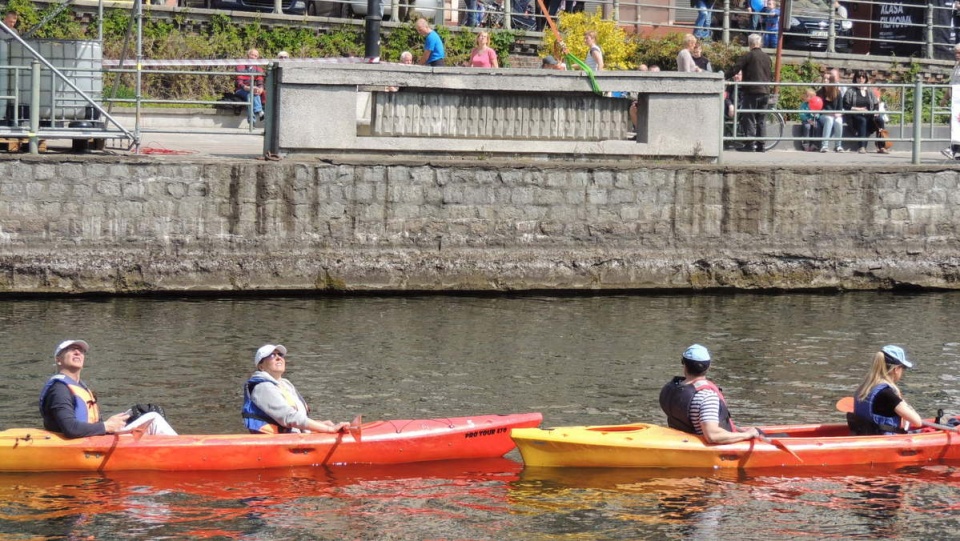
861 150
824 149
260 116
948 152
841 150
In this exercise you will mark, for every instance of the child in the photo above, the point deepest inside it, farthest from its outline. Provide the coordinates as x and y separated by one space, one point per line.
771 24
808 121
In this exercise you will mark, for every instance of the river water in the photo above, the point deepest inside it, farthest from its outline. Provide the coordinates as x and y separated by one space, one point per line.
578 360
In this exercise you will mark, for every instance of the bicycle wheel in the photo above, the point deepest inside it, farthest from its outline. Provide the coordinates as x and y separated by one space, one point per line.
774 128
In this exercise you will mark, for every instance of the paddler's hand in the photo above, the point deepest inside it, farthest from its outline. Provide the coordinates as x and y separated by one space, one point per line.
116 422
342 427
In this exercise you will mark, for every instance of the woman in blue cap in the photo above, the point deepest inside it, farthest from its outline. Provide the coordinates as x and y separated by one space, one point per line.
878 406
695 404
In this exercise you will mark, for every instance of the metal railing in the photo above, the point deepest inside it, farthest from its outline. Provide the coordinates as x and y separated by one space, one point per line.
918 110
179 68
919 30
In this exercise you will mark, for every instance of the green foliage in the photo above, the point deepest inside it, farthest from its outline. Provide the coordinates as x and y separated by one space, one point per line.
661 52
618 51
402 38
501 41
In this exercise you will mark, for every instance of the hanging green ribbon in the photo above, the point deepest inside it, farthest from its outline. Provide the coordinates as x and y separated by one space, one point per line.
586 69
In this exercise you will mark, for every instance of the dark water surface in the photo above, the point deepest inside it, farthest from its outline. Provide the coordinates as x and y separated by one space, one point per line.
597 360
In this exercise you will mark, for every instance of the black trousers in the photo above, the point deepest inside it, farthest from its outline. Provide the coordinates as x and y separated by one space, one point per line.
753 123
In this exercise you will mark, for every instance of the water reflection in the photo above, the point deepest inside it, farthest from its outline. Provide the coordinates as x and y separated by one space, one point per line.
814 503
581 360
303 502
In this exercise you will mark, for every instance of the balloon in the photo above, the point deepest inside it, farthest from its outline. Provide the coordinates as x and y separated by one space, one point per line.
816 103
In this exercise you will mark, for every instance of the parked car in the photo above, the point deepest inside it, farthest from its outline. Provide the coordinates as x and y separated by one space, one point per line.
289 7
327 8
408 9
809 27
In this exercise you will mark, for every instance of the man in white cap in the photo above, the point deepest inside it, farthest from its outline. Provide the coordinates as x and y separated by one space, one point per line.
277 407
69 407
695 404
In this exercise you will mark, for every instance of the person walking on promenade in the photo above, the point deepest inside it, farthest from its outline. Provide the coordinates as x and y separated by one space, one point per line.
685 61
695 404
433 50
594 58
953 152
482 55
756 68
702 27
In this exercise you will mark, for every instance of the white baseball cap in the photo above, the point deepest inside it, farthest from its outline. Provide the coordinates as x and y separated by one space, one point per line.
265 352
67 343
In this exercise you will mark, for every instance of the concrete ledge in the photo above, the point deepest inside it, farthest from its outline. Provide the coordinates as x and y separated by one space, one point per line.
449 110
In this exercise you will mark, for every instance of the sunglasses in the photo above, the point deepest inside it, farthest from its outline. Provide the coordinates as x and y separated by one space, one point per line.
272 355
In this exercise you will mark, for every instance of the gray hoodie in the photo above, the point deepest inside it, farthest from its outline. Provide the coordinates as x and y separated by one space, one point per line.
272 401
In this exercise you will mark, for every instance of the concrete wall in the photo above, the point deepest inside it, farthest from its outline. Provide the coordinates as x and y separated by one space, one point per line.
504 113
105 224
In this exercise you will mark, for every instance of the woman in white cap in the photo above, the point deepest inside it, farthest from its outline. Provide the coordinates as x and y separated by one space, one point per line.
695 404
69 407
878 406
277 408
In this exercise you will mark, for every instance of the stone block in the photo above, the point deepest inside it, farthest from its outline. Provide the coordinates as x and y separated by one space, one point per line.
479 195
596 196
548 197
73 171
43 171
11 189
522 196
574 197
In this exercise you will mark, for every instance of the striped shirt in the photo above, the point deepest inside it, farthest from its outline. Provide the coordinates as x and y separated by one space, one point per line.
704 408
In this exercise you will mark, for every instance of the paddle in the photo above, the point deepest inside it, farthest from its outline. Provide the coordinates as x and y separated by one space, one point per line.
845 405
355 427
779 445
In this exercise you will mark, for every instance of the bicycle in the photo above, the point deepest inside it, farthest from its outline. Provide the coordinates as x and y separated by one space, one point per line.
774 124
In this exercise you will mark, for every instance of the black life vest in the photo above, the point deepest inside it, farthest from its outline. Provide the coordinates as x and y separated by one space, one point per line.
675 400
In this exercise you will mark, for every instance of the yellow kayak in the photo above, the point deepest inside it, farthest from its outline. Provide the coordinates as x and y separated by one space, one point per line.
642 445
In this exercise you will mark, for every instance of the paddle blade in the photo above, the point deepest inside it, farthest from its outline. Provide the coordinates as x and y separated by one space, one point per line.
139 431
355 427
783 447
845 404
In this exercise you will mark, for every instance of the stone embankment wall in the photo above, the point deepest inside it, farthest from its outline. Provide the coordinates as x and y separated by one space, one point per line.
104 224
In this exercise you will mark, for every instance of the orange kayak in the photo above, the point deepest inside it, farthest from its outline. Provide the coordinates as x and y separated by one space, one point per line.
642 445
380 442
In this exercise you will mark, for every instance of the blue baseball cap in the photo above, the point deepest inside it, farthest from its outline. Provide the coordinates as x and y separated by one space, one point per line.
697 353
896 355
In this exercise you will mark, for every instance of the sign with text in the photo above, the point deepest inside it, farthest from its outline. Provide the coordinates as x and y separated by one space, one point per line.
896 23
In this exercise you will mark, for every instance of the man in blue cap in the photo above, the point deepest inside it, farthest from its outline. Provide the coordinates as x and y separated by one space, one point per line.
694 404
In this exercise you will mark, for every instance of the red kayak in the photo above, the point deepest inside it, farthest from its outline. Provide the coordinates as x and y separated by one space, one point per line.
378 442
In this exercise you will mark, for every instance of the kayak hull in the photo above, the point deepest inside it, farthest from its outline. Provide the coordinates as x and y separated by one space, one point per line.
380 442
643 445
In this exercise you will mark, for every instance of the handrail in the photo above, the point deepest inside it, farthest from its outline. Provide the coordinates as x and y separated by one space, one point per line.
898 108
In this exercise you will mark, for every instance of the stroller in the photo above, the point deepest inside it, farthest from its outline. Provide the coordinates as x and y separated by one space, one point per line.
491 14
